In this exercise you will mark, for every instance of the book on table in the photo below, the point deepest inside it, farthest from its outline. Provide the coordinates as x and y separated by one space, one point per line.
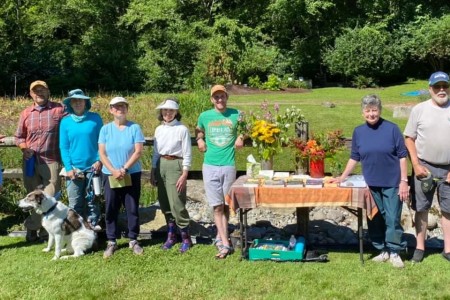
294 182
273 183
316 183
252 182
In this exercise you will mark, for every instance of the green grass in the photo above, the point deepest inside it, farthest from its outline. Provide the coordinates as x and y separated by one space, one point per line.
27 273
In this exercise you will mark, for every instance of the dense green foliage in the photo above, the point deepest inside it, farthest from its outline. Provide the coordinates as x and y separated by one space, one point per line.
171 45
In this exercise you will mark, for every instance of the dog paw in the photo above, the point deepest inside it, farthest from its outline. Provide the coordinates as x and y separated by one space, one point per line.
64 257
55 257
46 250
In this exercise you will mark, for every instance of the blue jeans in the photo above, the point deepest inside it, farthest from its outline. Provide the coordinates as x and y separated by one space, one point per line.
385 229
84 205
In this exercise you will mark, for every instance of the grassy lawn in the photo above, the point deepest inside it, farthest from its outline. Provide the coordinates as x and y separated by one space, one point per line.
27 273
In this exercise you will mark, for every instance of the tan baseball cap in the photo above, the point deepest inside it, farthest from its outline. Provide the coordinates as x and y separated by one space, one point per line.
38 82
218 88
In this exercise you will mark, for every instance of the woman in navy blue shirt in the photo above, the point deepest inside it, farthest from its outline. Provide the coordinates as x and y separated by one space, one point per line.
379 145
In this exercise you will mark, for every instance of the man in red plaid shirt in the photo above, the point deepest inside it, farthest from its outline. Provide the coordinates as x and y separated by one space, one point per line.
37 137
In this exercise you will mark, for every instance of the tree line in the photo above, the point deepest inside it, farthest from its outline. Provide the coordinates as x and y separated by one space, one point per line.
175 45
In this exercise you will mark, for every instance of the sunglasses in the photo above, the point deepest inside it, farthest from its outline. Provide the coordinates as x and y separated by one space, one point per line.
120 105
440 86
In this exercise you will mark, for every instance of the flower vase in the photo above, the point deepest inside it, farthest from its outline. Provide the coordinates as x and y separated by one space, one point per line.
317 168
267 164
301 165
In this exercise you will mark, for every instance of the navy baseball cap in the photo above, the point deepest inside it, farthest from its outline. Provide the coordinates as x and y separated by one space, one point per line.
438 77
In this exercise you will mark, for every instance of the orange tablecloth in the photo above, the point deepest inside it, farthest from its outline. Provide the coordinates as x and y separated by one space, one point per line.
252 197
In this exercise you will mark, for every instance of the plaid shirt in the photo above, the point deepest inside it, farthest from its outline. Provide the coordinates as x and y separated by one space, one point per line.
39 129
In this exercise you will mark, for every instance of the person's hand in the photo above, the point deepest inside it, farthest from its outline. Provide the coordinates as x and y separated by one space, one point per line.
2 137
420 171
181 182
448 178
239 142
27 153
71 174
118 173
201 145
403 191
97 166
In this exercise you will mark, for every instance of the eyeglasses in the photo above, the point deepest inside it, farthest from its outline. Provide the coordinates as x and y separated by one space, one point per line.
440 86
218 97
120 105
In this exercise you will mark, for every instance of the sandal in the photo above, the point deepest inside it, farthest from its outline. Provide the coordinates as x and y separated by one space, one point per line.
218 243
224 252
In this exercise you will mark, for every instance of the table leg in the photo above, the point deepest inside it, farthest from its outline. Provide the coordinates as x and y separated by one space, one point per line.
243 230
360 235
302 221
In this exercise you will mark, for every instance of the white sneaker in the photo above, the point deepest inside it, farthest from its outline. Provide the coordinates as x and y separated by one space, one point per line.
396 261
382 257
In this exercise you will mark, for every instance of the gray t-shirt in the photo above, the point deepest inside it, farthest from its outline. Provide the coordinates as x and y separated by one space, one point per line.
429 125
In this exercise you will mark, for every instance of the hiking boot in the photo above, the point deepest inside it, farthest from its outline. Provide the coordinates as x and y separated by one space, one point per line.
110 249
137 249
382 257
446 255
396 260
171 236
417 256
31 236
186 243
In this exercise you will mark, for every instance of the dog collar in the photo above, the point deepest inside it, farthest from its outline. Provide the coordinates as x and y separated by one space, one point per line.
51 209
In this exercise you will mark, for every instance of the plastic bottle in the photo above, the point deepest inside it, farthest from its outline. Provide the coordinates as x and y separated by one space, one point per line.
96 183
292 242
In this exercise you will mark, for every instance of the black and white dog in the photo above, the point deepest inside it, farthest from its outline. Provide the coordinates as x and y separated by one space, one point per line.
63 224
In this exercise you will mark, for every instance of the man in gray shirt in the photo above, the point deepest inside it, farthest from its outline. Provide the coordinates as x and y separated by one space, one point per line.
427 138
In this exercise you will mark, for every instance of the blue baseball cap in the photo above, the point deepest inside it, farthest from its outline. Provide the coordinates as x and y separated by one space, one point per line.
438 77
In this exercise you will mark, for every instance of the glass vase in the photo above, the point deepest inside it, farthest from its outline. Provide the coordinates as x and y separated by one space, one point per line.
267 164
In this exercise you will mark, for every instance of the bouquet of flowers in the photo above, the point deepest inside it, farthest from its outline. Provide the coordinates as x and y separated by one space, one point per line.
319 146
268 130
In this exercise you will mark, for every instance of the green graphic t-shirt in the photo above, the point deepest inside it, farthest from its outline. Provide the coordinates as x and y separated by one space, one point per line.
220 136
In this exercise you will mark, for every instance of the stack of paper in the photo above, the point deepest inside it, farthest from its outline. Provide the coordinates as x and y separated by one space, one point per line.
354 181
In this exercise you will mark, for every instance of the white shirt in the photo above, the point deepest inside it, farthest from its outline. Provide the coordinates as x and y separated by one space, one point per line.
172 138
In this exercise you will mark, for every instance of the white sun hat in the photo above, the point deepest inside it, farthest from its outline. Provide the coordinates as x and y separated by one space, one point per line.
168 104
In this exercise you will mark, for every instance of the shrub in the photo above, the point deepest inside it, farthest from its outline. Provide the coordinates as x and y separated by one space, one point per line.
272 83
362 82
254 81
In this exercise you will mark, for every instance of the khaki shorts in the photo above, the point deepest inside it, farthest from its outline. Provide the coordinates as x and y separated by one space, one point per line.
218 181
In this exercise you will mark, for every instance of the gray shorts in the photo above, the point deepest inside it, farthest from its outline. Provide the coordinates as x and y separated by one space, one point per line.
217 181
422 201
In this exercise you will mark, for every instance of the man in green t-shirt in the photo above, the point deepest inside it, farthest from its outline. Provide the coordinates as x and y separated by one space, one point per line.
216 136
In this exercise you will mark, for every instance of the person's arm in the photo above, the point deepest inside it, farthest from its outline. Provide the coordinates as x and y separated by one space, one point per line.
187 158
351 164
20 136
200 138
239 142
403 190
116 173
138 147
419 170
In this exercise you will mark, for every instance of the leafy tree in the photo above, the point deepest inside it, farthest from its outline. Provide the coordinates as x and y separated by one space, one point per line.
367 51
427 40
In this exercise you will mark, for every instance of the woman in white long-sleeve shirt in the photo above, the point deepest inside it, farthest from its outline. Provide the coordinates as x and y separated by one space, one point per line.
171 161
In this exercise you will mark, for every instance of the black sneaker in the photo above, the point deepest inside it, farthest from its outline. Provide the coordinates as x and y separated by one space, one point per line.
418 256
